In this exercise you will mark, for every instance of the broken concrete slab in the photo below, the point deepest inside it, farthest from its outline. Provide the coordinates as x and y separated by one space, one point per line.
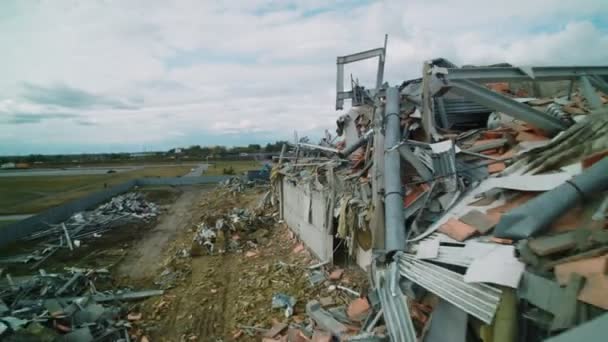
324 319
327 301
478 220
547 245
275 330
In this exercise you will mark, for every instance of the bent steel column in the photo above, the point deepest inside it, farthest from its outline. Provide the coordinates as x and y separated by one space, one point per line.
394 233
538 213
498 102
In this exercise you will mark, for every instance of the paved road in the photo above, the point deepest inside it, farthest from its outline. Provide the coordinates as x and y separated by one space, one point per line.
97 170
75 171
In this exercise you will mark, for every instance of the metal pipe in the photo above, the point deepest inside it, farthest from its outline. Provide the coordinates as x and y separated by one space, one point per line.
319 147
282 155
352 148
538 213
394 233
479 155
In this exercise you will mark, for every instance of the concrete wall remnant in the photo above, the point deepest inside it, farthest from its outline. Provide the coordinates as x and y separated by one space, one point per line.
305 213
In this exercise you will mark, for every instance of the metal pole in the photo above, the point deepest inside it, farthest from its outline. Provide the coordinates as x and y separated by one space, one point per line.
352 148
394 234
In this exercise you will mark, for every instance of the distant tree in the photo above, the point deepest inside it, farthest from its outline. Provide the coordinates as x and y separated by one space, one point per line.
254 147
228 171
275 147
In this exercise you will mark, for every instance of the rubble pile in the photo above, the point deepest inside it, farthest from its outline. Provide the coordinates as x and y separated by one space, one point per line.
83 226
87 225
78 305
118 211
236 185
232 229
476 197
274 297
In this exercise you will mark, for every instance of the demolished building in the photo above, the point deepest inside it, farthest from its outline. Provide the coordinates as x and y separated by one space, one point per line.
476 193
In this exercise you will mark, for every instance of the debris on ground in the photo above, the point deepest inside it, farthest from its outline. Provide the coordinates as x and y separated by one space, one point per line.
249 260
118 211
86 226
234 185
78 305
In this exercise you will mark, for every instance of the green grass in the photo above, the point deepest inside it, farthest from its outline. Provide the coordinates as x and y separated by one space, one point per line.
32 194
239 166
24 195
6 223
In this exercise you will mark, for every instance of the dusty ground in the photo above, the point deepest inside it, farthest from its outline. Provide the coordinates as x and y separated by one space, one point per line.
216 297
210 297
146 255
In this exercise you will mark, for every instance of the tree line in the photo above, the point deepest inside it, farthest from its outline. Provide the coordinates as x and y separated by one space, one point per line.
193 152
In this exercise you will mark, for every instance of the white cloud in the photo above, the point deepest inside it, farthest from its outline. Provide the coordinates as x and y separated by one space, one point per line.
253 67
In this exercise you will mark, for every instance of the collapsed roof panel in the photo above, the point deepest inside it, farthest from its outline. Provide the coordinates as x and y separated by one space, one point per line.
454 167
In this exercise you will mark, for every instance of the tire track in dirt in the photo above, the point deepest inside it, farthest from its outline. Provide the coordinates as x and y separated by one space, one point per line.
146 256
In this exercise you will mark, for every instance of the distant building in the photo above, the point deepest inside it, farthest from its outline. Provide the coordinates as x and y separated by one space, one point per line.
141 154
7 166
22 166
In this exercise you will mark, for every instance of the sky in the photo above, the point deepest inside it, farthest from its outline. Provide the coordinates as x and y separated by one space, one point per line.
143 75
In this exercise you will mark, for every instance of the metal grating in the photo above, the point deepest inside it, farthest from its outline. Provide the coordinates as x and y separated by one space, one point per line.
479 300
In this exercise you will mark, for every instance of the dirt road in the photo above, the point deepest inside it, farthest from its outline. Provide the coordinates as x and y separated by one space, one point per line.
145 257
216 296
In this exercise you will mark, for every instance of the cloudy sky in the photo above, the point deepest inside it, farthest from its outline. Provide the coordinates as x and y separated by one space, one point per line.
130 75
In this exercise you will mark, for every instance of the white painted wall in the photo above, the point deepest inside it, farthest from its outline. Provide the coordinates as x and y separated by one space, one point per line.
297 201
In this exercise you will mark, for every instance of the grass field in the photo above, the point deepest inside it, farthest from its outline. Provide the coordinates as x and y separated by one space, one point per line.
32 194
24 195
6 223
239 166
